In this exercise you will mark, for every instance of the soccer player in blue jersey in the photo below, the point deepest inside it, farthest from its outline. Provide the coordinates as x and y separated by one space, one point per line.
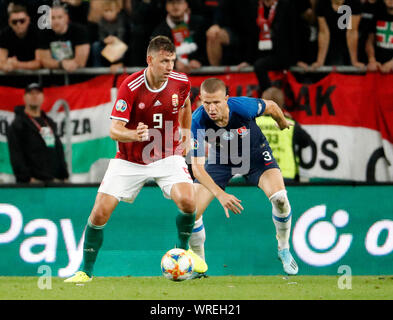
237 146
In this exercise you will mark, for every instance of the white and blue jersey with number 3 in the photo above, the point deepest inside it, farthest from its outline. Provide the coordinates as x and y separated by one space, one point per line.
238 148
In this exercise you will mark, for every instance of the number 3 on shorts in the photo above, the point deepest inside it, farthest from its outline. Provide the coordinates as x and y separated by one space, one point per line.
266 156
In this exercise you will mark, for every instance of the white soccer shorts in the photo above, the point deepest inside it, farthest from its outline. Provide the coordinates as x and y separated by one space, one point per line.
124 179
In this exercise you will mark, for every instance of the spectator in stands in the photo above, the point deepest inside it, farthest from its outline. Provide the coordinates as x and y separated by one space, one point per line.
379 45
66 46
208 9
233 36
111 28
78 10
18 42
188 34
285 144
3 14
250 31
146 16
337 37
36 152
32 7
306 30
96 10
277 37
369 8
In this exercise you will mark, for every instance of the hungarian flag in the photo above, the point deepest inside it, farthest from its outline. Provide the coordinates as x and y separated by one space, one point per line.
384 34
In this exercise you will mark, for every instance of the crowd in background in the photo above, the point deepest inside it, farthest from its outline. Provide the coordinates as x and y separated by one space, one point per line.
266 34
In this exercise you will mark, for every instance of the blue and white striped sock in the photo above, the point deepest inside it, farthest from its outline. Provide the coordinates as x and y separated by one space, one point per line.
197 239
282 217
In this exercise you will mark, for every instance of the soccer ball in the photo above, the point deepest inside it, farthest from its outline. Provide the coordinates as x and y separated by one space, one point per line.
177 265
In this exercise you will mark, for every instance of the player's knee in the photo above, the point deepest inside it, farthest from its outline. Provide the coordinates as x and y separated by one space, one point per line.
280 203
99 216
186 205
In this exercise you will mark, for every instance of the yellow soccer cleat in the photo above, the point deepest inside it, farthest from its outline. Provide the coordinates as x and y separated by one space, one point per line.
79 277
200 265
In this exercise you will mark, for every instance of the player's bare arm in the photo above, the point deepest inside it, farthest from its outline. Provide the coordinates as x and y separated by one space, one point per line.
275 111
185 118
228 201
119 132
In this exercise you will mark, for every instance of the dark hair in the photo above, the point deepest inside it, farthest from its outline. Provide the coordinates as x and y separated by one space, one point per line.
58 5
213 85
16 8
161 43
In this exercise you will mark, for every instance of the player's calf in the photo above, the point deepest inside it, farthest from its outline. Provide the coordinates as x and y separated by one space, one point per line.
197 239
282 215
185 224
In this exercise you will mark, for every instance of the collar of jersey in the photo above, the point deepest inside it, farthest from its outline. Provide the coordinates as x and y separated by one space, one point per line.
147 84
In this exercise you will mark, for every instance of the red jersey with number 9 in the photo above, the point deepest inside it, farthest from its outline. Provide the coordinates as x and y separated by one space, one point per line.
158 109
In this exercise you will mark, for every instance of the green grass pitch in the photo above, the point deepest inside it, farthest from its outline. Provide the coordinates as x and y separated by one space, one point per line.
211 288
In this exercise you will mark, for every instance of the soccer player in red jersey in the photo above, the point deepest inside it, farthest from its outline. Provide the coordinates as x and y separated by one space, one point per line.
151 123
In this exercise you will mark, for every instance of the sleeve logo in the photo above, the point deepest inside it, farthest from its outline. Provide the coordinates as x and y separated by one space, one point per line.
121 105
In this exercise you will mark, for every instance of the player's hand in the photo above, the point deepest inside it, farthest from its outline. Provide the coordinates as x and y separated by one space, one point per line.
284 124
185 145
230 202
142 132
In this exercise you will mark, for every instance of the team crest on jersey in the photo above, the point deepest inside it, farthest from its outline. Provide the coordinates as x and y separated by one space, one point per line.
121 105
141 105
242 131
228 135
175 100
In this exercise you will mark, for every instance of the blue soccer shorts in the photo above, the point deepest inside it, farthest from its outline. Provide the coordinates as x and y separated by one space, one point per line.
261 160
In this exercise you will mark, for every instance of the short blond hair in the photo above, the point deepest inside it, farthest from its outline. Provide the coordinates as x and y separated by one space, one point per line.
212 85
